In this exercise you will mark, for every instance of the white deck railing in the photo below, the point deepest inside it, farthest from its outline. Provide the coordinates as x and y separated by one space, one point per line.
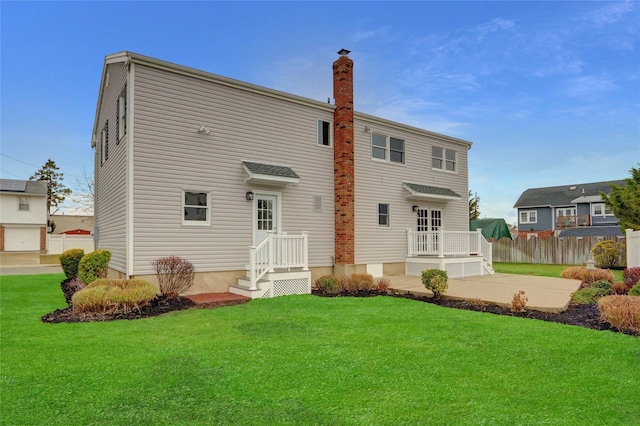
443 243
278 251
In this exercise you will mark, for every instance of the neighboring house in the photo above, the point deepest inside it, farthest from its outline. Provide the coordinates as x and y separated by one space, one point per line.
569 210
239 180
72 224
23 215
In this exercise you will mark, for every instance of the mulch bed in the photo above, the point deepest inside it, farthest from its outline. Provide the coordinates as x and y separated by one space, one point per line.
587 316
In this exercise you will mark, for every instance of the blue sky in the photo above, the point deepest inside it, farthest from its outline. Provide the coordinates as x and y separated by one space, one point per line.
548 92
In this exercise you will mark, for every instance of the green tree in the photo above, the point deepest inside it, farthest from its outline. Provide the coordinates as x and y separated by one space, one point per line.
56 191
474 206
624 201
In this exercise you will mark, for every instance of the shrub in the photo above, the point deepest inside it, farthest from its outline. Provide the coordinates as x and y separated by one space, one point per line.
435 280
608 254
588 296
94 265
328 284
362 281
519 301
383 284
604 285
586 276
631 276
175 275
69 287
107 296
635 290
620 288
69 261
621 311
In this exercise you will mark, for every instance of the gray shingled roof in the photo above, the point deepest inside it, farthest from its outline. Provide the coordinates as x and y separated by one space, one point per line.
26 187
432 190
596 231
270 170
562 195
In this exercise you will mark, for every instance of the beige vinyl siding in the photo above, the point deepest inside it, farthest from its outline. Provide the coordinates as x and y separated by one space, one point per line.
381 182
170 156
110 177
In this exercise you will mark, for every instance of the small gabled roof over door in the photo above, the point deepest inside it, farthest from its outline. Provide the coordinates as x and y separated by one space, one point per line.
269 174
429 193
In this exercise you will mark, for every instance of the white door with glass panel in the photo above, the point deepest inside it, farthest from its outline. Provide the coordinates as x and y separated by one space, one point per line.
429 220
265 217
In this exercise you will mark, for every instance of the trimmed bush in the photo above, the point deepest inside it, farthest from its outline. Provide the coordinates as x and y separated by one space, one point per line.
631 276
604 285
586 276
175 275
94 265
328 284
588 296
435 280
608 254
621 311
69 261
635 290
108 296
362 281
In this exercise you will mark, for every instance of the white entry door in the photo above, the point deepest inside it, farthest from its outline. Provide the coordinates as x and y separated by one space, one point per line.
265 217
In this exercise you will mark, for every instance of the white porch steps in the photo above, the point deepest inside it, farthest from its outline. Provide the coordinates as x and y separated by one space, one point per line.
274 284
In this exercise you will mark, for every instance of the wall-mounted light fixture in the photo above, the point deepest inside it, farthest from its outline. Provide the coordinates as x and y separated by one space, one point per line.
367 129
249 196
203 130
414 208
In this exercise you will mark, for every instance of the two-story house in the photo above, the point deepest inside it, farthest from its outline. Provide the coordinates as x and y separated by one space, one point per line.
23 215
568 210
264 190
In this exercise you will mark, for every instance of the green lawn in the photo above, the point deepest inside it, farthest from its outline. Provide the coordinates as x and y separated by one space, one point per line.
540 269
308 360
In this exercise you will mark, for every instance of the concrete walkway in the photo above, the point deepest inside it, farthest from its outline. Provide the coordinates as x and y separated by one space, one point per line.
544 293
27 263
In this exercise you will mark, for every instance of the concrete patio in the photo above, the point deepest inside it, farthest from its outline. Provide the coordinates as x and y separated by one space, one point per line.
544 293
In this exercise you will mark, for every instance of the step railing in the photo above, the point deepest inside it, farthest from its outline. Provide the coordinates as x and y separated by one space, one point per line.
276 252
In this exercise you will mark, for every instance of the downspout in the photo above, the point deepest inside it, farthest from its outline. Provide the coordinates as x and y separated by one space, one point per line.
129 170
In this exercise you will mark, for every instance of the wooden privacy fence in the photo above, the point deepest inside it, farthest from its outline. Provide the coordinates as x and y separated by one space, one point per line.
552 250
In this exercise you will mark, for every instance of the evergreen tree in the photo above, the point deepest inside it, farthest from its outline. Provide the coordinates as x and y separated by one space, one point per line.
624 201
56 191
474 206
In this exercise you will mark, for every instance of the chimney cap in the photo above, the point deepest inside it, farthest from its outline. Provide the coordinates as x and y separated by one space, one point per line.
343 52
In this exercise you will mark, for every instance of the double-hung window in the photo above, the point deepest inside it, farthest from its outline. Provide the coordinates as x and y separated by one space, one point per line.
324 133
383 215
528 216
121 116
387 148
23 204
444 159
196 207
601 209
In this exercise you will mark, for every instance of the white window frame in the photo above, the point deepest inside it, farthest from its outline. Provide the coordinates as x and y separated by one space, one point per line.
529 214
387 149
604 210
320 133
386 215
24 201
444 160
563 210
122 114
207 208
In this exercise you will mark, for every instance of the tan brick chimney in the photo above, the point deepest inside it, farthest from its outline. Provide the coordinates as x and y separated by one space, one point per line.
343 167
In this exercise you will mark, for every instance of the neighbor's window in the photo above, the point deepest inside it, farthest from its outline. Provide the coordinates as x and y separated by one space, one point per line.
23 204
103 145
444 159
121 117
601 209
383 214
528 216
324 133
387 148
196 207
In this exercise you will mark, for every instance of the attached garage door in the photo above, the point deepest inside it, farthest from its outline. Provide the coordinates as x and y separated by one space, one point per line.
22 239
